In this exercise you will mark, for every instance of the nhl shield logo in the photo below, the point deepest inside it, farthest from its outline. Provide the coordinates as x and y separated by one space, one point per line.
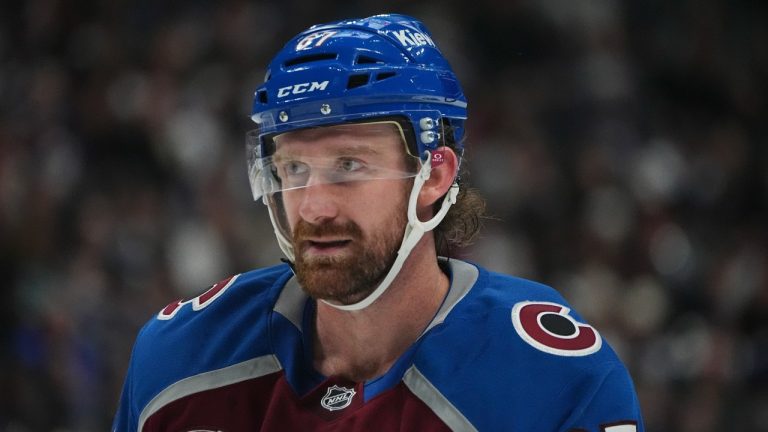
337 398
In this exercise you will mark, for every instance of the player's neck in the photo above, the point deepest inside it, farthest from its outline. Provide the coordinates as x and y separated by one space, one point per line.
362 345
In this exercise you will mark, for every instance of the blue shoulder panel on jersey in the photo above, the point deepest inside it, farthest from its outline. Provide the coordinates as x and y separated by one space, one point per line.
229 330
483 364
609 400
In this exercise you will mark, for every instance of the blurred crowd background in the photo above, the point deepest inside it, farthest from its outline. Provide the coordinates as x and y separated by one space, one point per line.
622 148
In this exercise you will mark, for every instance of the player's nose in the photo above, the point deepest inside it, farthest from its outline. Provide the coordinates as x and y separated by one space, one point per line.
318 203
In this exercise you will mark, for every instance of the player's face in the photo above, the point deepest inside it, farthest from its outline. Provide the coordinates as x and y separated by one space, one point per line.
345 234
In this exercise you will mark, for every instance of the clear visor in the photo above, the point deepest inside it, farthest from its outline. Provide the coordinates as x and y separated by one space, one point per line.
338 154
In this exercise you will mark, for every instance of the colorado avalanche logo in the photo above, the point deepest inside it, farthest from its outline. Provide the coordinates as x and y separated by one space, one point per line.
337 398
549 327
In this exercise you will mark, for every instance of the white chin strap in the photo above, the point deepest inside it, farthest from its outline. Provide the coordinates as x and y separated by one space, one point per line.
414 231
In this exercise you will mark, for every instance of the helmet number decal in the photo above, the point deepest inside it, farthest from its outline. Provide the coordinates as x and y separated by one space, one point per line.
314 39
550 328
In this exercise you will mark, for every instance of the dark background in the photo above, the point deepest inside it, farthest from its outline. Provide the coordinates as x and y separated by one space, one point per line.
621 146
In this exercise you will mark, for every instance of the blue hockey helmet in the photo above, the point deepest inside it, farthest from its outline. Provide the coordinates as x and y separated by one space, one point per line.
360 69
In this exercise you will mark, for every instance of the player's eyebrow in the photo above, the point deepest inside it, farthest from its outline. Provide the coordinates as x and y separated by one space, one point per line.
355 150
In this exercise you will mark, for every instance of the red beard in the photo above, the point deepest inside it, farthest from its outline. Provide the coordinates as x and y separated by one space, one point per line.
351 276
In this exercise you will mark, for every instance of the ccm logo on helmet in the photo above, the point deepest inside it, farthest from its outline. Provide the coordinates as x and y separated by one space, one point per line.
549 327
301 88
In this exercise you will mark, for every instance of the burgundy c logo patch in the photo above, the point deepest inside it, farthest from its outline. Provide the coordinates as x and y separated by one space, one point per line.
548 327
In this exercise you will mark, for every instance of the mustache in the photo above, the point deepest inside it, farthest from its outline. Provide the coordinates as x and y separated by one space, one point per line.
349 229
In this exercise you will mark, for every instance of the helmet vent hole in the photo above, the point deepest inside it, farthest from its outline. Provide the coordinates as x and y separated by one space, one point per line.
262 96
367 60
357 81
310 59
385 75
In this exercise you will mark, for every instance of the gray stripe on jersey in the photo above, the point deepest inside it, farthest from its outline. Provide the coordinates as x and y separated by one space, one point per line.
291 302
463 278
430 395
238 372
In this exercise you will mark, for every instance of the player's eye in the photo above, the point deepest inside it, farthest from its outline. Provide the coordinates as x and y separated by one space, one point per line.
292 173
294 168
348 165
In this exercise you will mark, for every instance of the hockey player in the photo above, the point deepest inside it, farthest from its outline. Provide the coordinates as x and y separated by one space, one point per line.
357 153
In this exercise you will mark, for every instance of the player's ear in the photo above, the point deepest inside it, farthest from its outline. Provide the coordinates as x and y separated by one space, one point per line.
445 163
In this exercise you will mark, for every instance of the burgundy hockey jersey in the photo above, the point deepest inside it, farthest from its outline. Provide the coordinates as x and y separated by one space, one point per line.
501 354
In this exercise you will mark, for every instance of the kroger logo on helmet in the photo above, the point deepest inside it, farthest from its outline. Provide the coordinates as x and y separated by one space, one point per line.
409 38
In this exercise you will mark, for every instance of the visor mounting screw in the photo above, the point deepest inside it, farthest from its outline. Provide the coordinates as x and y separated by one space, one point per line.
427 123
325 109
428 137
283 116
